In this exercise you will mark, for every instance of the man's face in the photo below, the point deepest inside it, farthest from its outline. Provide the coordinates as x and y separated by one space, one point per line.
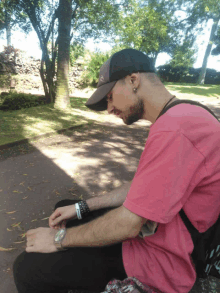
124 103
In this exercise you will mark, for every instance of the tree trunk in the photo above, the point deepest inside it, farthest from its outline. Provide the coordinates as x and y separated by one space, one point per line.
154 59
62 99
47 76
8 28
202 74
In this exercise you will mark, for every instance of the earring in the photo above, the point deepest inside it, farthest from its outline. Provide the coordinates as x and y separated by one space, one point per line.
135 90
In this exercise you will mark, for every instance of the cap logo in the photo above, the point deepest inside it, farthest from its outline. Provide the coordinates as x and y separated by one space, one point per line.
101 78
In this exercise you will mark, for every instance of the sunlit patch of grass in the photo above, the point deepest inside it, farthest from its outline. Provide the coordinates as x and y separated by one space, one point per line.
31 122
205 90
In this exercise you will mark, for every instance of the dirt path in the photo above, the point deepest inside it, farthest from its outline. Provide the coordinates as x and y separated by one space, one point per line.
81 163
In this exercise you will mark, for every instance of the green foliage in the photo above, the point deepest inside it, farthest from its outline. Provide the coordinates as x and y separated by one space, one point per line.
216 50
76 50
90 75
149 26
16 101
11 16
183 56
182 74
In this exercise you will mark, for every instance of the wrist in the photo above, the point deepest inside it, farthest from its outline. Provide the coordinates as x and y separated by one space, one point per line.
59 238
82 209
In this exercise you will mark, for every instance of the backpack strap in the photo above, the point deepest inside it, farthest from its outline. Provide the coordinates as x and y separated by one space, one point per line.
185 102
198 254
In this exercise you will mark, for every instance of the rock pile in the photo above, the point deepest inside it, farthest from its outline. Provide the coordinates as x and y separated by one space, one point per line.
28 70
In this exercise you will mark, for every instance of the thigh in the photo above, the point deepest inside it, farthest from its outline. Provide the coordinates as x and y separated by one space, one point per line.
85 268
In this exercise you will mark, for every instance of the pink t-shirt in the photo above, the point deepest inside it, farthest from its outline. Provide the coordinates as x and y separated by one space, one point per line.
180 166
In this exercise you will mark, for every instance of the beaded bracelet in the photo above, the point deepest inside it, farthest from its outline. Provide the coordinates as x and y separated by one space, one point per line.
84 209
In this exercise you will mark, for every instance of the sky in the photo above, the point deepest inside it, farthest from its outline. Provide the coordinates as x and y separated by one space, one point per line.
31 46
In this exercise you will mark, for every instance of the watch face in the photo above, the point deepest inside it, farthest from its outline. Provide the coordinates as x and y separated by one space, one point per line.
60 234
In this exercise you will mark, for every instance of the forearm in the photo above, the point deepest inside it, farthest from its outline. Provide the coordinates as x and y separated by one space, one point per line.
115 226
115 198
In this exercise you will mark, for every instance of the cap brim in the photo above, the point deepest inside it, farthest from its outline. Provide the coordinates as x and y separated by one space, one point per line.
97 101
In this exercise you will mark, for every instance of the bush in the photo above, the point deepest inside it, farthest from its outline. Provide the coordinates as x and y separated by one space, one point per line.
186 75
17 101
76 51
90 75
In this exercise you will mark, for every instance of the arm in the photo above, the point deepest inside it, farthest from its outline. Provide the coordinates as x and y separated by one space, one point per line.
114 198
115 226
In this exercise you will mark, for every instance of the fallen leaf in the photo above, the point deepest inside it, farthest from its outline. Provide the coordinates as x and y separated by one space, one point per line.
81 196
11 212
25 197
9 229
23 235
15 224
6 249
45 218
17 242
34 220
57 193
25 174
22 183
29 188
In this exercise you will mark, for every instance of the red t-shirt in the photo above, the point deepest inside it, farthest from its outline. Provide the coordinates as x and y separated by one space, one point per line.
180 166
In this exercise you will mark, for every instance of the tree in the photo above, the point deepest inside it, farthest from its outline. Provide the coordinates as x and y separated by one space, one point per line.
11 19
216 50
198 13
183 55
62 91
149 26
88 18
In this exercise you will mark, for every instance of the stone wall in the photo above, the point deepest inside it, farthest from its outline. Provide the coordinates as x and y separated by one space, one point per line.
25 71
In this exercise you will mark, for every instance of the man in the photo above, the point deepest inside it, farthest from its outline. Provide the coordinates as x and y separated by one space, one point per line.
179 167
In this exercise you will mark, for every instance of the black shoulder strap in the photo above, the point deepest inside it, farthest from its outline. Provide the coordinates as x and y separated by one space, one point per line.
186 102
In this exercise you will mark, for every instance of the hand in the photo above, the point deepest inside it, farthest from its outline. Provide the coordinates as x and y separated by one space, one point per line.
58 218
41 240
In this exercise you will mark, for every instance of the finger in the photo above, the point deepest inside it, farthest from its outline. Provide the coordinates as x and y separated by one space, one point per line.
57 221
55 215
63 224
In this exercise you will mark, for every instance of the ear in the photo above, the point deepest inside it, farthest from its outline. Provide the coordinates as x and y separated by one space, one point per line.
135 79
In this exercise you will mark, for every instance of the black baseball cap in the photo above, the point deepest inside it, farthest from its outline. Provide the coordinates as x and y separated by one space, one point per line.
118 66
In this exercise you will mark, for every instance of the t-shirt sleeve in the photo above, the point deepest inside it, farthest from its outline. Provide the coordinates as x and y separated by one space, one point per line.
169 169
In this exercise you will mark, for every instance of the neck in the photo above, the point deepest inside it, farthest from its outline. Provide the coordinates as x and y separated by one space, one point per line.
154 107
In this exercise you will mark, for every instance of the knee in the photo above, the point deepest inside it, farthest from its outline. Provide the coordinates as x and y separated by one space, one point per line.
20 269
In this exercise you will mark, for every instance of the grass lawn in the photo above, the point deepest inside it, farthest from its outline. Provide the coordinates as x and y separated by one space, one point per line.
194 90
31 122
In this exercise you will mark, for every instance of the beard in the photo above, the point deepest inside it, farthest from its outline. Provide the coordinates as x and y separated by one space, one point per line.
136 112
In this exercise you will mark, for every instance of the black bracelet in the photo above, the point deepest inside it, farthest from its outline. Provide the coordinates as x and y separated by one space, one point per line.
84 209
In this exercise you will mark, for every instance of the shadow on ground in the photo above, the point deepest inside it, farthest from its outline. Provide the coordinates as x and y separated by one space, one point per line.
82 163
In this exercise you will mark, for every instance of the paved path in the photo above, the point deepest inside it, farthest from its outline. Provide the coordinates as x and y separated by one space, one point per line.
80 163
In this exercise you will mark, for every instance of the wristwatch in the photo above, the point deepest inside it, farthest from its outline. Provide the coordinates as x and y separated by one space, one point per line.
59 236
